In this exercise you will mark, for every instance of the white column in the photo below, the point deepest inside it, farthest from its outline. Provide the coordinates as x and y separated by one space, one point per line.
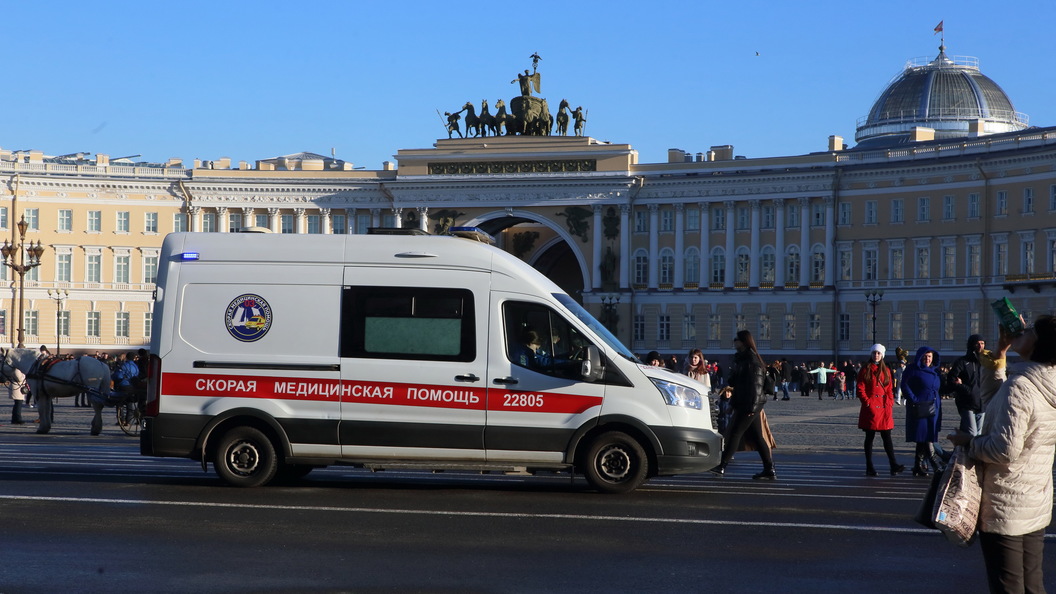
248 219
375 217
779 244
221 219
753 271
324 221
680 245
705 243
274 220
625 246
398 222
595 252
731 271
194 218
830 238
804 242
300 221
654 246
423 218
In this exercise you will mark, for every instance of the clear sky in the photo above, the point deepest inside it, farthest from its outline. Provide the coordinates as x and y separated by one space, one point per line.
254 80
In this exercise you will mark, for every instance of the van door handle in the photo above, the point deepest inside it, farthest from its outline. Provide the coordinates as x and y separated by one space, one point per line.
467 378
505 381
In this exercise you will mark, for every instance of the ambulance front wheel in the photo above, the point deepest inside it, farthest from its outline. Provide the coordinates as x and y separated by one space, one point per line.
615 463
245 457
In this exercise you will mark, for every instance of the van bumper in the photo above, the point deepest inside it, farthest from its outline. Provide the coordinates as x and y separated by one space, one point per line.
687 450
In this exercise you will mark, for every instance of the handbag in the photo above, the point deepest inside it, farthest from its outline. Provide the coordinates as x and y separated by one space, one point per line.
954 500
924 409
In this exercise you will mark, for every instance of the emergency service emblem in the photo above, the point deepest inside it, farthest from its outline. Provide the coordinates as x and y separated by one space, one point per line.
248 317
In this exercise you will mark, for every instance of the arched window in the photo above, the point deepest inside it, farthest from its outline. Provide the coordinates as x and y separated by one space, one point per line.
792 263
767 262
641 267
743 264
691 263
817 264
667 266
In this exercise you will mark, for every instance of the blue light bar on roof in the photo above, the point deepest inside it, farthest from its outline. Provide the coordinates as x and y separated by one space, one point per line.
474 233
189 256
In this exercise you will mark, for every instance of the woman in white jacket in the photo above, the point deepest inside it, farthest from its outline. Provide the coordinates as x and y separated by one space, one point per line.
1016 449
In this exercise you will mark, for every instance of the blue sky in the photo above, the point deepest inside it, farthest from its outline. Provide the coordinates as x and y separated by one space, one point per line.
253 80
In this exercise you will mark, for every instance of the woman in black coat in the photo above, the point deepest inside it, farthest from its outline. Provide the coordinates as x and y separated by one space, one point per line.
747 375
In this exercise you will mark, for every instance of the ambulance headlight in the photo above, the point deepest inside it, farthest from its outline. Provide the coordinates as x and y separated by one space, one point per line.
679 395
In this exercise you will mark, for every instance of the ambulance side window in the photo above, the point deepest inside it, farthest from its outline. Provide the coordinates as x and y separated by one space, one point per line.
416 323
539 339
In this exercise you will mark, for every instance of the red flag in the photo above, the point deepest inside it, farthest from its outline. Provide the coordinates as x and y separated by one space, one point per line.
938 28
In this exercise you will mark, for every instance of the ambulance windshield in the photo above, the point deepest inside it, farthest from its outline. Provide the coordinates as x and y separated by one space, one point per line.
594 325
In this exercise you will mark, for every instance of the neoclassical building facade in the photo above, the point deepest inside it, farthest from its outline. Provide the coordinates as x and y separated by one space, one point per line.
671 256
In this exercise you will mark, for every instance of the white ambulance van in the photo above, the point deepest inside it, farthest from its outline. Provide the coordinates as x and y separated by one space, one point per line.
275 354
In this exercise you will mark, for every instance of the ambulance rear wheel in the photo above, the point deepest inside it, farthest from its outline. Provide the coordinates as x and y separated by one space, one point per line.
245 458
615 463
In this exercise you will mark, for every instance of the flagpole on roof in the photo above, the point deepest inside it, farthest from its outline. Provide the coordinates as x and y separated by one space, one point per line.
942 35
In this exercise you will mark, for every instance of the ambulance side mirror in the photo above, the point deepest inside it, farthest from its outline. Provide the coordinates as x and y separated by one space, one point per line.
591 368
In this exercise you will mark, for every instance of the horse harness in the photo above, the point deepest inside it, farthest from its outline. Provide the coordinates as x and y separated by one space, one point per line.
41 367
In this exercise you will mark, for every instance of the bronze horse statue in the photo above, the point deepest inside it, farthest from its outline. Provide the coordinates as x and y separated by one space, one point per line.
562 117
472 121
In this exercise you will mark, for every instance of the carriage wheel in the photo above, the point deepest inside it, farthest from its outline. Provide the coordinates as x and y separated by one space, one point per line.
129 417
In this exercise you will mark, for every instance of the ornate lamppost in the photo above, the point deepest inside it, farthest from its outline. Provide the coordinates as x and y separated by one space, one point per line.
60 296
9 252
873 298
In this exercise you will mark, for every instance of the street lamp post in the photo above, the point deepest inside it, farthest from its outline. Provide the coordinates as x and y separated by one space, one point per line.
60 297
9 252
873 298
610 318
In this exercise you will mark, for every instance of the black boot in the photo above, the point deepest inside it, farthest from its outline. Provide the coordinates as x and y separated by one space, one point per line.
869 469
720 469
918 467
767 474
897 469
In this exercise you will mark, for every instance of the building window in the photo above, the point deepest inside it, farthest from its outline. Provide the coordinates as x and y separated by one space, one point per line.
692 219
315 224
767 264
32 322
845 213
63 268
261 220
923 262
150 222
689 327
32 216
792 215
339 224
947 326
691 263
288 224
718 219
870 212
975 260
768 217
234 222
743 267
790 326
949 213
639 327
1028 200
179 222
896 326
817 264
641 221
92 323
122 222
739 323
949 261
718 266
148 321
814 327
817 214
844 327
1001 203
641 267
973 322
898 264
743 218
667 266
663 327
121 264
1001 259
209 222
922 326
897 213
95 221
121 324
3 217
715 327
667 223
65 220
1028 257
764 327
923 209
846 265
973 206
792 262
63 320
870 264
93 272
150 269
1052 198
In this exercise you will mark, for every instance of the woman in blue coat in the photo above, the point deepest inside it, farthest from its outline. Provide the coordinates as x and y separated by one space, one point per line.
920 386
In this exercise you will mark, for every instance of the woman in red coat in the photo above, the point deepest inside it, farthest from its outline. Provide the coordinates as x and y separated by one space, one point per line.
875 391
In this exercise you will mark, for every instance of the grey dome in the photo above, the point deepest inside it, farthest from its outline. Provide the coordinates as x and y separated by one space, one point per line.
945 94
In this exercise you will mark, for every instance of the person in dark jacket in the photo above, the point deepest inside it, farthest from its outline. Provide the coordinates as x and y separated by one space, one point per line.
920 386
963 381
747 375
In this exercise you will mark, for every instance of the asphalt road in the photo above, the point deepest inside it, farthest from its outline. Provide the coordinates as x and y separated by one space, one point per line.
88 514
